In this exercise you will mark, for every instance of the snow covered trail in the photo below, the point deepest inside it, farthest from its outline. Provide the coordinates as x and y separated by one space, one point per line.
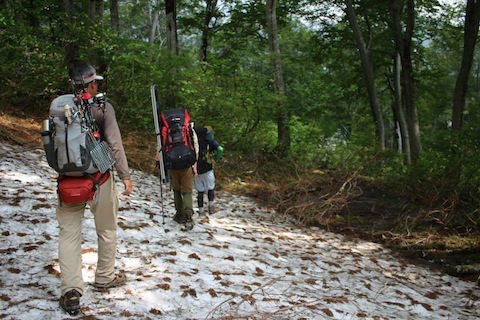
243 264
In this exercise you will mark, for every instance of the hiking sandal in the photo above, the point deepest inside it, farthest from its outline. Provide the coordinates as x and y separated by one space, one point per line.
119 280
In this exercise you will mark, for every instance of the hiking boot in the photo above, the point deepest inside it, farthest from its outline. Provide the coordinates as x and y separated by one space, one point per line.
211 208
180 217
70 302
119 280
188 220
201 212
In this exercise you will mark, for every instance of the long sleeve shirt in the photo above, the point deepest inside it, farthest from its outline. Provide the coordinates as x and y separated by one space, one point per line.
109 130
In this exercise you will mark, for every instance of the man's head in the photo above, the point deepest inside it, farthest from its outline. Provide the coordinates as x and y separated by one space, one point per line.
83 75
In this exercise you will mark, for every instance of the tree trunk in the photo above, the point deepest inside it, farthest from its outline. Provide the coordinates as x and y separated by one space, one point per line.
33 19
154 26
209 14
171 16
283 146
95 13
398 113
368 74
403 43
472 18
172 46
95 10
114 18
71 49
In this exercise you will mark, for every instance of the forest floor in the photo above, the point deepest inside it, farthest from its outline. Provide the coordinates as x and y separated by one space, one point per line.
359 208
350 205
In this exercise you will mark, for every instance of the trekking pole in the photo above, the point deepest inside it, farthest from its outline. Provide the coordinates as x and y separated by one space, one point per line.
163 208
161 167
161 194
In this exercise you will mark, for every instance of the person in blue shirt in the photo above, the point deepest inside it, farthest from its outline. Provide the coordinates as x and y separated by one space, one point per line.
210 151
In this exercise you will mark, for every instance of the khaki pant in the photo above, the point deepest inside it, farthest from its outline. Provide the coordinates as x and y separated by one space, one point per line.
182 185
182 179
70 220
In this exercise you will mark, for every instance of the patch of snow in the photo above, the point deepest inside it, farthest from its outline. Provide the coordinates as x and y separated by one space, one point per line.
246 262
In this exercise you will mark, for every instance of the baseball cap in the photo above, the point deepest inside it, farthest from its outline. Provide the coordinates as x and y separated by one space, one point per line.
82 73
93 76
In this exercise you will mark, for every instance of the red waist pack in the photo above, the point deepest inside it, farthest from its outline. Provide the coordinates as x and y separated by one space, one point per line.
80 189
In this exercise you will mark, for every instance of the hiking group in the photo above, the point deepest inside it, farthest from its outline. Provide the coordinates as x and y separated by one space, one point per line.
82 142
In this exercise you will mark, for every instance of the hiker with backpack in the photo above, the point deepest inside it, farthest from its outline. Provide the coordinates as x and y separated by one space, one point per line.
182 186
85 126
178 151
210 152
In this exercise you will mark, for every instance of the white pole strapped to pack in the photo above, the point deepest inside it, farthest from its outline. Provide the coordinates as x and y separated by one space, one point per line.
156 112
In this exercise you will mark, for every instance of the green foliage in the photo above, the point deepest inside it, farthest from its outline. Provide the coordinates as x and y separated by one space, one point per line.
311 147
31 73
234 102
135 68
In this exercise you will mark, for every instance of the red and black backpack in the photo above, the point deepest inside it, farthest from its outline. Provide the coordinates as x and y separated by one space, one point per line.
177 139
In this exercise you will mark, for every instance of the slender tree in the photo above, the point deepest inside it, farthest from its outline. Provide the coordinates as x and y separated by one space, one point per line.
211 6
403 42
368 73
33 19
114 18
95 10
155 23
276 62
95 14
172 46
398 113
171 15
71 48
472 19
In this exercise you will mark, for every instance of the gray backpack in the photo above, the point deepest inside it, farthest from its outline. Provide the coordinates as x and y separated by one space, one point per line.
71 143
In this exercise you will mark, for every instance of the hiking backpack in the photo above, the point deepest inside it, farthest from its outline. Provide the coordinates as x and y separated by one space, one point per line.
208 150
203 151
177 139
71 140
